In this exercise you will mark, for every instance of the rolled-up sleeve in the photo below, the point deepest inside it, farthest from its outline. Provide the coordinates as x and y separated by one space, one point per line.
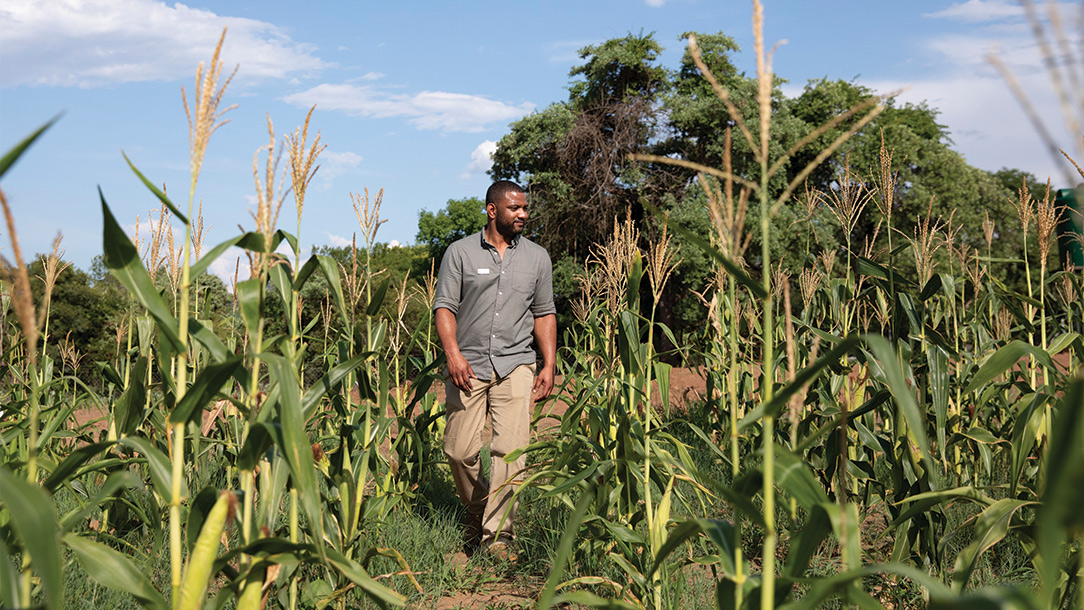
542 304
449 282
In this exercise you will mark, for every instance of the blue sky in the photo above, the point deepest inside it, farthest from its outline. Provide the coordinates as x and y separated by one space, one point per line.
411 96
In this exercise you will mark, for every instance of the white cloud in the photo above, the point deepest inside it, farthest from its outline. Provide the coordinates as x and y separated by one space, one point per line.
89 43
334 164
481 158
373 76
425 110
655 3
337 241
974 11
231 261
986 122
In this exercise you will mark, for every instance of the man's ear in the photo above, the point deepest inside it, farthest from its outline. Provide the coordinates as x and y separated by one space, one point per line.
491 210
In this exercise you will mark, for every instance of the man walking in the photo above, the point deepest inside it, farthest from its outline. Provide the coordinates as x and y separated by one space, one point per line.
494 293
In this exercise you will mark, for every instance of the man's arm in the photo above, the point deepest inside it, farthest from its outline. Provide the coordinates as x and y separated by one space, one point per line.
545 336
458 368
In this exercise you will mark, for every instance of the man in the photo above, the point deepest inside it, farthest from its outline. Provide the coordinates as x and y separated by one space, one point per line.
494 292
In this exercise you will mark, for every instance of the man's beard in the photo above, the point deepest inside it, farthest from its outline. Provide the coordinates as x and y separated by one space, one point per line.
510 228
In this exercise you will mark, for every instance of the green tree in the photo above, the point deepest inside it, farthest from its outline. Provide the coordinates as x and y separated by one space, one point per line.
458 219
574 156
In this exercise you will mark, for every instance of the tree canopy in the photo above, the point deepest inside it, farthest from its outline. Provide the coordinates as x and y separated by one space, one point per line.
574 158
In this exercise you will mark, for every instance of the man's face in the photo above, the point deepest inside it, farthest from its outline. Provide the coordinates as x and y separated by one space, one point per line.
510 214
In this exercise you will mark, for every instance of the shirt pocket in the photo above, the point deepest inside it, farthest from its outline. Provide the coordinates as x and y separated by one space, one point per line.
523 281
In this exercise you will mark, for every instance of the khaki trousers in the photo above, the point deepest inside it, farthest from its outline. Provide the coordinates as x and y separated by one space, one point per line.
508 402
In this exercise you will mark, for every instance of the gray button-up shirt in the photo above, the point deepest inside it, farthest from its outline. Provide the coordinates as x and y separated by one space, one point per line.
495 300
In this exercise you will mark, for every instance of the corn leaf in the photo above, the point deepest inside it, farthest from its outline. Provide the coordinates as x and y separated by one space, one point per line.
115 570
1063 493
33 517
207 384
1004 359
158 464
157 192
295 442
991 527
904 395
11 156
122 260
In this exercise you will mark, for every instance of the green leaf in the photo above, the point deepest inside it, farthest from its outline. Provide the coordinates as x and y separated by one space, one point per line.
807 541
158 464
793 476
806 375
261 437
1024 431
157 193
115 570
75 459
296 446
122 260
200 267
991 527
722 534
207 384
357 574
128 411
1063 492
75 516
9 578
937 379
564 550
904 395
327 384
17 151
305 272
662 377
249 298
373 307
32 515
331 272
109 373
1002 360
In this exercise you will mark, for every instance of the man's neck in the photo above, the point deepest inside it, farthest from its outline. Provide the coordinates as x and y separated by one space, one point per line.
497 239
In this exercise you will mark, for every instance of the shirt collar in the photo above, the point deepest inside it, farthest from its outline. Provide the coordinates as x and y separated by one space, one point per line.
485 242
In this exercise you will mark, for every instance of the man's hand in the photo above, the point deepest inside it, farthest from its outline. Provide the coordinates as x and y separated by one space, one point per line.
543 384
460 372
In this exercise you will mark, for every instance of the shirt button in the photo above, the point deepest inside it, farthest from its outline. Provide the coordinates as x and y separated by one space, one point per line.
493 336
499 293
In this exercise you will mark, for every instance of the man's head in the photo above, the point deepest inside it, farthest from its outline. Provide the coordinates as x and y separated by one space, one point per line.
506 207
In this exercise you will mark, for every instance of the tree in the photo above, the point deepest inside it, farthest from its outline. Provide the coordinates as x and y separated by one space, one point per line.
573 157
458 219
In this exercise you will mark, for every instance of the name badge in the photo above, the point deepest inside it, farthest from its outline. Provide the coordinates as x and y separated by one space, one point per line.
483 272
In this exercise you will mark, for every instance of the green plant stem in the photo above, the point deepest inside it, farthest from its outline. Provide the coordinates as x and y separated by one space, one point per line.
294 538
735 456
767 598
181 364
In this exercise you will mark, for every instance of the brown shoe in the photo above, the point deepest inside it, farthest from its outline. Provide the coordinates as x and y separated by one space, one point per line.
501 548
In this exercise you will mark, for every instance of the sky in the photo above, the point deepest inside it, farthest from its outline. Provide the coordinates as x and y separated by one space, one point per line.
411 97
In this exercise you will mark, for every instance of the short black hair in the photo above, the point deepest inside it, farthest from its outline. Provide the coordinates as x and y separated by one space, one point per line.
500 189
